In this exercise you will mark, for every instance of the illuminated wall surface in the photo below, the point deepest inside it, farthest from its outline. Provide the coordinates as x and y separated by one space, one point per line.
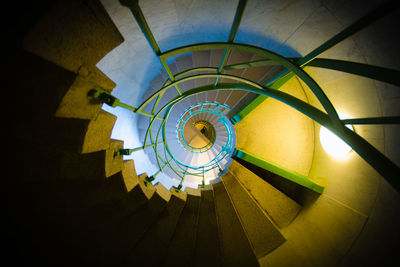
354 221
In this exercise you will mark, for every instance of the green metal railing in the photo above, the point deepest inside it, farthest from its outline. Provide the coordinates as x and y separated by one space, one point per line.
293 67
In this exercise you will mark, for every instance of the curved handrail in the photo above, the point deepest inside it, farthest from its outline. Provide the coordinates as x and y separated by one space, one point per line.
374 157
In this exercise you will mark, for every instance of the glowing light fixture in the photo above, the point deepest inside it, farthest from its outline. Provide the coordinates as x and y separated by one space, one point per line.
333 145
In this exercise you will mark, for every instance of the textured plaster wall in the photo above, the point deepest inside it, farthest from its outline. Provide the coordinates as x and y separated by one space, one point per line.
278 133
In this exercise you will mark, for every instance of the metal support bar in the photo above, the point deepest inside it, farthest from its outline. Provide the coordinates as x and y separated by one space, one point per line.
378 120
129 151
374 72
112 101
256 63
281 171
222 63
380 11
133 5
375 14
148 180
372 16
232 34
237 19
162 168
383 165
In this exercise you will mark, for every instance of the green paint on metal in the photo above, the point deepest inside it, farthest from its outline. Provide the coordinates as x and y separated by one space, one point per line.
222 63
256 63
129 151
237 19
281 171
160 170
258 100
374 72
370 154
372 16
137 13
380 11
249 108
378 120
112 101
296 70
148 180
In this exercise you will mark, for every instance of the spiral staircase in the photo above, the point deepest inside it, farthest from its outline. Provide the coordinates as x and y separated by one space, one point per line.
212 121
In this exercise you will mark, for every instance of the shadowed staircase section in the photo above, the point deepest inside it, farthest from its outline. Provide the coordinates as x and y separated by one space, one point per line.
262 234
76 202
279 207
207 239
236 249
183 241
83 196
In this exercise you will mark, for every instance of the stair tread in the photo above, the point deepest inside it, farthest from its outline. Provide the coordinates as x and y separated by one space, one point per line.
151 249
276 204
181 248
113 164
207 248
235 247
131 230
74 34
98 133
261 232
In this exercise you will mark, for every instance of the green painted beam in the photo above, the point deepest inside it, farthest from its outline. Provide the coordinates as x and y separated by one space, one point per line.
237 19
378 12
378 120
305 77
129 151
281 171
256 63
383 165
112 101
232 34
375 14
374 72
137 13
258 100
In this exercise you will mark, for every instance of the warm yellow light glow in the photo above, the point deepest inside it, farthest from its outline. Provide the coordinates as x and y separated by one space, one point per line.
333 145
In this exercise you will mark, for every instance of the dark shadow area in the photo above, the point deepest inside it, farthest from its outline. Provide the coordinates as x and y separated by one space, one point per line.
295 191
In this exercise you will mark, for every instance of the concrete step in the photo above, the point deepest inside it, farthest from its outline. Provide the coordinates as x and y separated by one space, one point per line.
121 239
51 165
114 164
201 59
138 192
152 248
207 248
40 91
183 63
181 248
256 73
236 248
261 232
296 192
235 98
281 209
222 96
98 133
80 215
77 103
235 57
74 33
